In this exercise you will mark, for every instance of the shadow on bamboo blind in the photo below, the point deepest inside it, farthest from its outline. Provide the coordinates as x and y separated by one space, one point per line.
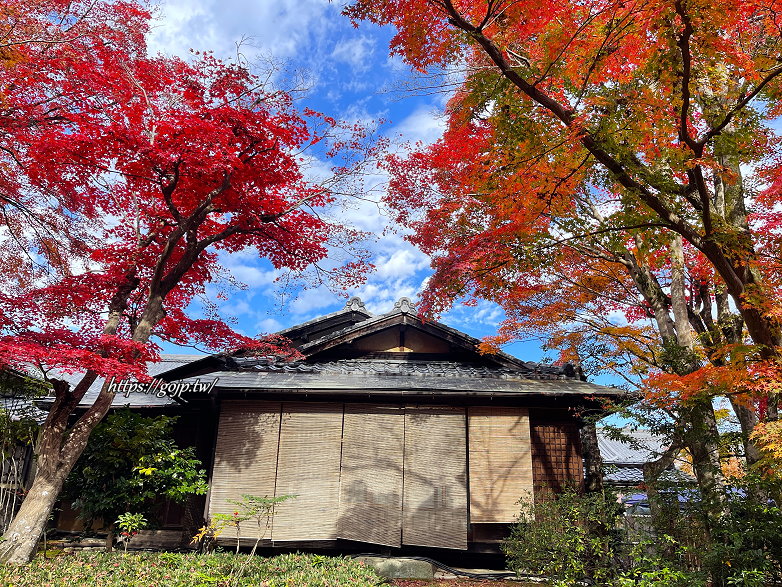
435 484
370 500
245 456
308 465
500 462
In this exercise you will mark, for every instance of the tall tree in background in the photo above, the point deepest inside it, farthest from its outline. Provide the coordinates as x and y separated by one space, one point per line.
612 139
609 298
124 176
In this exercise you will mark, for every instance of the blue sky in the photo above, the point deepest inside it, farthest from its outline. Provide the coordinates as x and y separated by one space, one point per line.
348 74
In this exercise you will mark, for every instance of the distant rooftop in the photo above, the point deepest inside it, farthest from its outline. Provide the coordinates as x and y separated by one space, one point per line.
641 447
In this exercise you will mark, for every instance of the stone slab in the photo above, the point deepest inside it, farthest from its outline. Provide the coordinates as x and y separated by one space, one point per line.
399 568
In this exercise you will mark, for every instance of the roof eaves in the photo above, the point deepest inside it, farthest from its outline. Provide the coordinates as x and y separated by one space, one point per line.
337 336
354 304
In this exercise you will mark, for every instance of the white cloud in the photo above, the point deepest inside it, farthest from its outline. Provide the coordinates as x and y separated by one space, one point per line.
402 263
425 124
484 316
310 303
282 27
379 297
356 52
237 307
269 325
252 276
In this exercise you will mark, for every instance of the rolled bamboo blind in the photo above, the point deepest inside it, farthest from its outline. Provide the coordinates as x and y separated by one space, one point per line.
309 466
378 474
435 481
370 504
245 457
500 462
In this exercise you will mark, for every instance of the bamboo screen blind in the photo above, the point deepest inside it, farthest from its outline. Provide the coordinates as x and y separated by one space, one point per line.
378 474
245 457
370 505
435 482
309 466
500 462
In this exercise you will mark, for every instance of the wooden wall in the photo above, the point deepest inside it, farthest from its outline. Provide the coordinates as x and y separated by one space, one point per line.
556 452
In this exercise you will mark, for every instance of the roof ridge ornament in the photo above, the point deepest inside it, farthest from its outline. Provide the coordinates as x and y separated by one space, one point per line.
405 306
355 304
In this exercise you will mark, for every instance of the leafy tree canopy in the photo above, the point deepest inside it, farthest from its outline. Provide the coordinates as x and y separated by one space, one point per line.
609 174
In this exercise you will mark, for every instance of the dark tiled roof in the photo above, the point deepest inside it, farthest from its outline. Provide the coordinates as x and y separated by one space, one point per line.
359 383
19 408
634 476
624 475
403 367
409 373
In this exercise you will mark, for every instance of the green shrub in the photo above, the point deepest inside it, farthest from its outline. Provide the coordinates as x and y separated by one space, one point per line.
659 563
130 525
746 546
743 547
130 462
569 539
578 539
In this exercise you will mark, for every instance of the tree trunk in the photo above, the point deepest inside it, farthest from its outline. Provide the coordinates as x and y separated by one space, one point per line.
59 447
593 462
57 454
748 419
703 444
24 532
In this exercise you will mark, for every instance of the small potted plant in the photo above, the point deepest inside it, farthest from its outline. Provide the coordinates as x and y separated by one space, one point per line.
130 525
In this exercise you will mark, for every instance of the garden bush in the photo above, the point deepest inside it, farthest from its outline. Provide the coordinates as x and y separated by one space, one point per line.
742 547
746 546
130 463
569 538
659 562
575 539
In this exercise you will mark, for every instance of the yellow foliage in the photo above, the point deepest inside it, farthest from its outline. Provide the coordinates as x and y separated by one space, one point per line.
768 437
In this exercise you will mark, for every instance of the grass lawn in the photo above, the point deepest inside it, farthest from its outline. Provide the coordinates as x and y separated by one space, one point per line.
148 569
137 569
459 583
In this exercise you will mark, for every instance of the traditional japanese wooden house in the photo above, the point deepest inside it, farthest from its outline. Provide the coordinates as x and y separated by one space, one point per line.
392 430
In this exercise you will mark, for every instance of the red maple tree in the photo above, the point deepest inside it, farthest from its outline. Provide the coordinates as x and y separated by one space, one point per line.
125 178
